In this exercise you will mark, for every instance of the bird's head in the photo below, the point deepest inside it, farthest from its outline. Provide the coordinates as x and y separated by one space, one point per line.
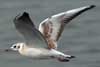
17 46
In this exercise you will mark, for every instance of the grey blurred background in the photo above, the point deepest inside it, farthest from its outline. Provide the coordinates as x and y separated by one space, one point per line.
81 36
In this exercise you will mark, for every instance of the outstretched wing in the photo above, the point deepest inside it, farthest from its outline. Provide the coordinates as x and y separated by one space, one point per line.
53 26
26 28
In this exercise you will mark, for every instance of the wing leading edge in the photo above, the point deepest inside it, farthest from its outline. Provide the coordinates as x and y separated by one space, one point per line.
53 26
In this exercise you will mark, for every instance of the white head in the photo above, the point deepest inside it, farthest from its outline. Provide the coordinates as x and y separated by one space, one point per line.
17 46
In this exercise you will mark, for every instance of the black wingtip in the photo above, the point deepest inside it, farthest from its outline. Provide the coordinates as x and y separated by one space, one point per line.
71 57
25 14
92 6
22 15
24 18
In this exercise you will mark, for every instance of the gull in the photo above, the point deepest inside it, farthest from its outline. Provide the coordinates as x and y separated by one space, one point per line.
42 43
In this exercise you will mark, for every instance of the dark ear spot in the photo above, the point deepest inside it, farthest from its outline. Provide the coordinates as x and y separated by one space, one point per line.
18 47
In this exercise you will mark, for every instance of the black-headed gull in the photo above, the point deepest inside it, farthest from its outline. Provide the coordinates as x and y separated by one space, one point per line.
42 43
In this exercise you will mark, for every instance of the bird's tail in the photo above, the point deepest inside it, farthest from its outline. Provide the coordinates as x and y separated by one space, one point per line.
65 59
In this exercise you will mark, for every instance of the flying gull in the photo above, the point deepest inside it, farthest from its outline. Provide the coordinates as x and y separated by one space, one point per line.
42 43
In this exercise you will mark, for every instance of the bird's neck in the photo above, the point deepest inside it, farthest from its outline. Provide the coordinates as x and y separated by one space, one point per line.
23 49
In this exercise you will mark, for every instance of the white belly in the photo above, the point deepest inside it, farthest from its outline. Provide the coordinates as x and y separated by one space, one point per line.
36 53
41 53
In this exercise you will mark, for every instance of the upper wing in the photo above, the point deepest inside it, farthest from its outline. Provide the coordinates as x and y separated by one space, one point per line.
27 29
53 26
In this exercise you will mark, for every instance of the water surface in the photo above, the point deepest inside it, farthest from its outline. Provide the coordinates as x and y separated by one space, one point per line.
81 37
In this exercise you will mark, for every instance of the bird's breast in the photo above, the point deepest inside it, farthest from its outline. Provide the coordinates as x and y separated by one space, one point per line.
35 53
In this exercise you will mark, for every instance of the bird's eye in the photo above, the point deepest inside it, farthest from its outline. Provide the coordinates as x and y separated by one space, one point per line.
14 46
